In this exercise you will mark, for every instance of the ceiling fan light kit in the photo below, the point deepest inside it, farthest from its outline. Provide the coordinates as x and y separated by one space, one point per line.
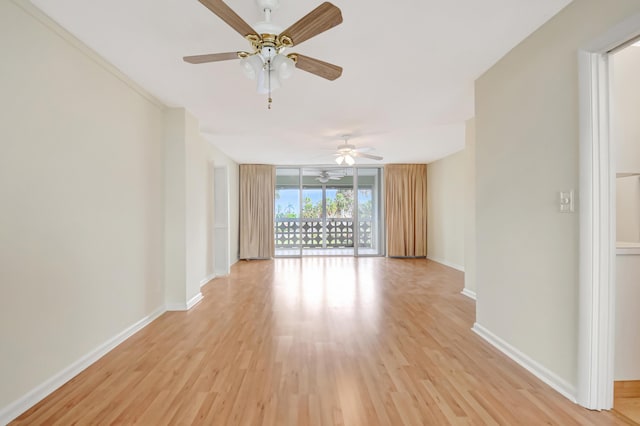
268 63
346 153
346 158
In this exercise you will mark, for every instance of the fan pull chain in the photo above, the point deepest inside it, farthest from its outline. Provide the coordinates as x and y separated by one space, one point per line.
269 83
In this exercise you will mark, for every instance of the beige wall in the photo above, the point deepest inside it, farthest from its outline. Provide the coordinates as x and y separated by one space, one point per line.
175 209
445 210
527 151
219 159
189 221
81 222
470 207
104 217
197 190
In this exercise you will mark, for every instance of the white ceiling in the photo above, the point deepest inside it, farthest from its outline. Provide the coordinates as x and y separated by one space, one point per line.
406 89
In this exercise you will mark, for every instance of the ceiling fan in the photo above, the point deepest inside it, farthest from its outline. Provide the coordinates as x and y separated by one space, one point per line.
327 175
347 153
267 61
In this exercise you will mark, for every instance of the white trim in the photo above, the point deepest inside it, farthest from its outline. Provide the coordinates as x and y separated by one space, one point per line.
541 372
595 382
206 280
41 391
469 293
446 263
194 301
176 307
41 17
173 307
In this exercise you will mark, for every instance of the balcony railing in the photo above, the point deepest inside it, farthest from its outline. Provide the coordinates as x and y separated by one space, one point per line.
315 233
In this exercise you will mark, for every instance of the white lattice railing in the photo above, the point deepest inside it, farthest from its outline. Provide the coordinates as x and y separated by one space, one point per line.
317 233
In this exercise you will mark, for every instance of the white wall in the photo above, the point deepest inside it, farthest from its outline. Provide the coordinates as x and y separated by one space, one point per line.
81 190
625 128
627 343
527 151
445 210
628 209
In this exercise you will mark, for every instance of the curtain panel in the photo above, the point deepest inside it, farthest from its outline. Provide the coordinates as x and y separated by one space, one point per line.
406 209
257 192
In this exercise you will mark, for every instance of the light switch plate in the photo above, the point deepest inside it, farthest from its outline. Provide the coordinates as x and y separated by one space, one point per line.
566 201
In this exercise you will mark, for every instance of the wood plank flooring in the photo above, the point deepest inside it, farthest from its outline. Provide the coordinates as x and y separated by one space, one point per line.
317 341
626 400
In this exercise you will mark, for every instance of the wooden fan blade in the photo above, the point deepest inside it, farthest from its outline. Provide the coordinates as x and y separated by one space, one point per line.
319 20
213 57
363 155
227 14
318 67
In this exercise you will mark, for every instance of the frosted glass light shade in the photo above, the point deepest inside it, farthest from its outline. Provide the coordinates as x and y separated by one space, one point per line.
349 160
251 66
263 81
255 67
284 66
340 159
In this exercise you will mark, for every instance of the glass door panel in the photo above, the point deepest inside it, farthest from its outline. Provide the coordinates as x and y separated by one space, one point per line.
339 216
287 212
328 211
313 224
370 215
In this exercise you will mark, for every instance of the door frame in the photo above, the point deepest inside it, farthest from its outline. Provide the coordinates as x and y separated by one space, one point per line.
378 197
597 219
221 221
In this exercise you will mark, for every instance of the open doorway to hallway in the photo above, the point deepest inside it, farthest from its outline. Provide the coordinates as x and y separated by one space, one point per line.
625 138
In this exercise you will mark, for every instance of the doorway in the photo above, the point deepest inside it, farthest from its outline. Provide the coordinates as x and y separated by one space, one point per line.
221 227
625 138
328 211
598 217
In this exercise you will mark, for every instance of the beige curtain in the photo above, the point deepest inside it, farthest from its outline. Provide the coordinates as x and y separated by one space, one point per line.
406 209
257 191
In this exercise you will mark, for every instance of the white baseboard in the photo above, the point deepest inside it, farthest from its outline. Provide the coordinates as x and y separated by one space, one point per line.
194 301
221 273
445 263
563 387
469 293
206 280
184 306
40 392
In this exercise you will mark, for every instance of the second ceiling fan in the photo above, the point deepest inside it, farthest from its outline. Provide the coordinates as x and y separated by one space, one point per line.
267 62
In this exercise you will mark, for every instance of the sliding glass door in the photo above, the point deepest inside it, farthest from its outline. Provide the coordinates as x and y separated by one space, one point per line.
335 215
287 214
370 220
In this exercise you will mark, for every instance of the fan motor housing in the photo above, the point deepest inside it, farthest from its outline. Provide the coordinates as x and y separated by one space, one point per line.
268 4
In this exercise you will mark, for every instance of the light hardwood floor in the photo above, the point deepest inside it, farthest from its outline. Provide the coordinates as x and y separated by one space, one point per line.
626 400
317 341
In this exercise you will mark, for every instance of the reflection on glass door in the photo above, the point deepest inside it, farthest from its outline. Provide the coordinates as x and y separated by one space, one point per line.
327 217
326 221
370 231
287 212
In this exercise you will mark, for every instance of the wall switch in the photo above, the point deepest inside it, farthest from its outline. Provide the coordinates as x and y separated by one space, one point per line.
566 201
